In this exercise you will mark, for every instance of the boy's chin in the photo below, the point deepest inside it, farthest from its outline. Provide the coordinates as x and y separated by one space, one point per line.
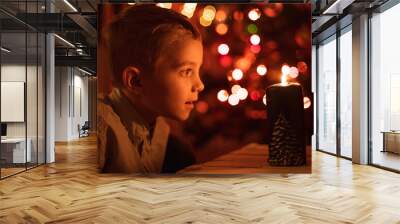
180 117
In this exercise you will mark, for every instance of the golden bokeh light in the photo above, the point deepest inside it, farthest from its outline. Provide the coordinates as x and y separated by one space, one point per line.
307 102
235 89
254 14
222 95
237 74
233 100
221 29
261 70
242 93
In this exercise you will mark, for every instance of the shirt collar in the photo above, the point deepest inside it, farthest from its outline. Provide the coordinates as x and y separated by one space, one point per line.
126 111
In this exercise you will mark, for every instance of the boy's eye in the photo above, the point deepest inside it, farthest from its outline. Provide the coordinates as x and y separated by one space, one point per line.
186 72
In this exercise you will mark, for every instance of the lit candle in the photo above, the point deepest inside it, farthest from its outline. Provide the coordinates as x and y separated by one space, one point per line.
285 124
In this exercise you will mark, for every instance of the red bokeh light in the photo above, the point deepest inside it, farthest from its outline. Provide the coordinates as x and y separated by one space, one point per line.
237 15
273 10
202 107
302 67
255 95
225 61
255 49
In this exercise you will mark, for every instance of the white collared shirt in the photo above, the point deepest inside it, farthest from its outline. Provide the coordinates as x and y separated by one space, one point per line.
135 149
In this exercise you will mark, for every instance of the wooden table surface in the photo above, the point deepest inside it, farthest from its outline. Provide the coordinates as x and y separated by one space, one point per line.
252 158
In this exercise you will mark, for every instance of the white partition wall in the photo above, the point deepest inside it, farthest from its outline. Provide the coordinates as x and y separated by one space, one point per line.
22 99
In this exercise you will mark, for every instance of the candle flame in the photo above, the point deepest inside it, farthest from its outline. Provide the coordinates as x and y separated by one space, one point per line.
284 80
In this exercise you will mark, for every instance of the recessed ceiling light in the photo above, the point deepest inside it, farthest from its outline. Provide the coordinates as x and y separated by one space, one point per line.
70 5
65 41
5 50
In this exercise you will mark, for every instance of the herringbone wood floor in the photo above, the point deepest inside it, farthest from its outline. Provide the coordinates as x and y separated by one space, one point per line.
71 191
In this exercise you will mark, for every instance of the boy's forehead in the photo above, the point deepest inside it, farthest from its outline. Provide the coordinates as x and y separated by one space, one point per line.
182 53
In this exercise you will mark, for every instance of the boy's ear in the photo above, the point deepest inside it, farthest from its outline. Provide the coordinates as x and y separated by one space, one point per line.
131 78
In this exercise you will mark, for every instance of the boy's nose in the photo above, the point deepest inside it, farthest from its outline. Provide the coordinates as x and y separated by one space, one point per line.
198 85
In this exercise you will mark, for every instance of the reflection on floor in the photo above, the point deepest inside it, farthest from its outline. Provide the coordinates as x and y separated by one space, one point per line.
10 169
387 159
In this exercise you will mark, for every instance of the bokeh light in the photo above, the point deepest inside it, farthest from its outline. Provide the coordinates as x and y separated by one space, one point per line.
255 39
235 89
273 10
205 22
209 13
252 28
202 107
243 63
294 72
254 14
226 61
261 70
221 29
223 49
237 74
285 70
302 67
222 95
164 5
188 9
233 100
242 93
220 16
307 102
255 95
238 16
255 49
265 99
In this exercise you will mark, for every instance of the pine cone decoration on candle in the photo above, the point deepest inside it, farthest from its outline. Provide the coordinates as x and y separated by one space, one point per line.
285 148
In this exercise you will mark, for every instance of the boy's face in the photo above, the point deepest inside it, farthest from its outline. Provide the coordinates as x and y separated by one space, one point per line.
172 90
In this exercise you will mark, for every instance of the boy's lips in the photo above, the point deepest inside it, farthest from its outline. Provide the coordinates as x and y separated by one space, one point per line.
190 103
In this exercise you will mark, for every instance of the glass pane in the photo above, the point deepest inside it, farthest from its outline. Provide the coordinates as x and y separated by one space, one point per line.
31 97
41 98
385 86
346 94
314 90
327 96
14 153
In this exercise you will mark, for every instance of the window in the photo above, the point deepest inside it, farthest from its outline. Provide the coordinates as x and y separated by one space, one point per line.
385 88
327 96
346 93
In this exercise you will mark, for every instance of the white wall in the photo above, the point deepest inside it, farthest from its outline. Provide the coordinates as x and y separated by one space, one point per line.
61 103
71 94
